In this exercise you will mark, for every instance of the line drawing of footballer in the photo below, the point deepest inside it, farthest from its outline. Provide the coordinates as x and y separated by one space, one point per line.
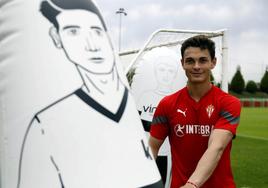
165 71
88 138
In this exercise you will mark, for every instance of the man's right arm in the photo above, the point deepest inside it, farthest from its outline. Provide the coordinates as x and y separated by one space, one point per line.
159 128
35 168
155 145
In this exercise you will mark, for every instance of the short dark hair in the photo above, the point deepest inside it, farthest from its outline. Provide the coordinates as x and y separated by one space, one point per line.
199 41
50 12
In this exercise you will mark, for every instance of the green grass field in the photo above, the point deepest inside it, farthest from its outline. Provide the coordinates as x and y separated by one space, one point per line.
250 149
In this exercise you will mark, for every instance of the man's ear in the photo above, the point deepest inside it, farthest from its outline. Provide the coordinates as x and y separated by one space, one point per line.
214 62
55 37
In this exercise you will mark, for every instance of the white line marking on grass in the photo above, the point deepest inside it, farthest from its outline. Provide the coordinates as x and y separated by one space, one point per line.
253 137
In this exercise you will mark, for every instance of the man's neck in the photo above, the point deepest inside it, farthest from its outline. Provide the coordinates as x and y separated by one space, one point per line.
163 90
103 87
198 90
100 84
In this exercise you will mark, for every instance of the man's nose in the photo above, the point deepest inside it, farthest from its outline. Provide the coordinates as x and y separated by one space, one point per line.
91 44
196 65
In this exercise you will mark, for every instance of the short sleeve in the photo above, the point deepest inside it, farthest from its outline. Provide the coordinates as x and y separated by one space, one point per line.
36 168
229 114
159 126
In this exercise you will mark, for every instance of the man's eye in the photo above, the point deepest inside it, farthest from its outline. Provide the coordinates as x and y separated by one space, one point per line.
189 61
73 32
171 71
203 60
98 32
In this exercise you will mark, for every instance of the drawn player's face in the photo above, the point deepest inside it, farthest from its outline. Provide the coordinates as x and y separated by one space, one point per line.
165 73
85 41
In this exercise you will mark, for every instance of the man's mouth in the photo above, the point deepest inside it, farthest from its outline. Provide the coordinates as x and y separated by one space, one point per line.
196 74
96 59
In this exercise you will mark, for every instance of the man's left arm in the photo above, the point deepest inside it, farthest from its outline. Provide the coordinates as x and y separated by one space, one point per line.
218 141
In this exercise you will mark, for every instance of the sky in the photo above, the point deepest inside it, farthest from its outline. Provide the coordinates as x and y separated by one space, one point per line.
245 20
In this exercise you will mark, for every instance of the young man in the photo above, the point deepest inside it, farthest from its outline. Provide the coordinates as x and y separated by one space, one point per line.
200 121
88 138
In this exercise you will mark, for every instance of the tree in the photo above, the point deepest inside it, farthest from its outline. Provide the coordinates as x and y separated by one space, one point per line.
251 87
238 82
264 82
212 80
130 75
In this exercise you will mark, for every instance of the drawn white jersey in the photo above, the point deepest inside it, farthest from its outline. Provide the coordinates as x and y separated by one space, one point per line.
147 106
77 137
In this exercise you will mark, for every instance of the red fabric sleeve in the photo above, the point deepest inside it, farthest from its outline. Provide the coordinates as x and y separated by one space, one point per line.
159 126
229 114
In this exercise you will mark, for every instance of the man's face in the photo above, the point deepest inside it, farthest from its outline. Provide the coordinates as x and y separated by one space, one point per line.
197 64
165 73
85 41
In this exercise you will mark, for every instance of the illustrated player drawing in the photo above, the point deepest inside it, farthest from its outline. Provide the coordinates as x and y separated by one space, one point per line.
165 71
89 138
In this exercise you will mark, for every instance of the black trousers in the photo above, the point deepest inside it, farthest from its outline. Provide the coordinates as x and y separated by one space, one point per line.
161 162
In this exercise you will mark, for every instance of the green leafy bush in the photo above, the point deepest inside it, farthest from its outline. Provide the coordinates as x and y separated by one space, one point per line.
251 87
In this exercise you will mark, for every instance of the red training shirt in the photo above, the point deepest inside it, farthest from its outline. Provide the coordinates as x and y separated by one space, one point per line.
188 125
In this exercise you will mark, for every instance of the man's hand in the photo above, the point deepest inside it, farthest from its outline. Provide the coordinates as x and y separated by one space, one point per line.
218 141
188 185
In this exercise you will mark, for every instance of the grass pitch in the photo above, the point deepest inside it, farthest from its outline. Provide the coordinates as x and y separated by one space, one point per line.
250 149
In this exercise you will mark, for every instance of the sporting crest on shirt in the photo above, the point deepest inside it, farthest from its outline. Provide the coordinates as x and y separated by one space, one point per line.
210 109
